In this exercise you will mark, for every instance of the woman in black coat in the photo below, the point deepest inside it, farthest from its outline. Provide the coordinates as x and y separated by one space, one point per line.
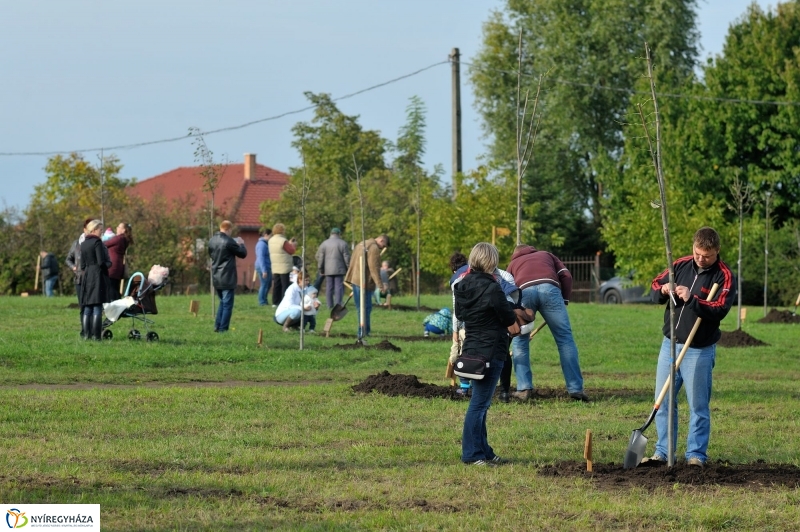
481 304
95 289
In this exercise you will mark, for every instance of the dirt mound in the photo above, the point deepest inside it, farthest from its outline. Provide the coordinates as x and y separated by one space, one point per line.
406 308
414 338
758 475
405 385
73 305
384 345
779 316
738 338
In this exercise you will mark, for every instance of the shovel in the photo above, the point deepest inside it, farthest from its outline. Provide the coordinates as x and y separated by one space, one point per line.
340 311
638 443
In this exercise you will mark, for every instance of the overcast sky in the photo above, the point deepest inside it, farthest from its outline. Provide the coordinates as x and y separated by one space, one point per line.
82 74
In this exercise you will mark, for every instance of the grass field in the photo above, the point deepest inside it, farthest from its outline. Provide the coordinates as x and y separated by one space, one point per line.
202 431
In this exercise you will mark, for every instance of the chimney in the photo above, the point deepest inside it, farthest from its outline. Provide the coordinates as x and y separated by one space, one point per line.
249 166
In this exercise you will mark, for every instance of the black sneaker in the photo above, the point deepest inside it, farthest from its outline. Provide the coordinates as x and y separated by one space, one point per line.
482 463
504 397
579 396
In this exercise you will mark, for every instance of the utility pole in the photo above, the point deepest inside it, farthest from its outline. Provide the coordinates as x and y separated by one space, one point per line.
766 248
455 62
102 189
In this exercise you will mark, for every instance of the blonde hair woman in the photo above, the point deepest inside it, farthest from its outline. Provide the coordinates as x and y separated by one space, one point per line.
481 304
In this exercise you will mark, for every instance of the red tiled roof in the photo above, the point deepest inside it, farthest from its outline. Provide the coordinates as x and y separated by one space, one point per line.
238 198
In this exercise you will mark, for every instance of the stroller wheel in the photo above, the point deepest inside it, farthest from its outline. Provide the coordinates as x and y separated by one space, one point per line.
152 337
134 334
107 334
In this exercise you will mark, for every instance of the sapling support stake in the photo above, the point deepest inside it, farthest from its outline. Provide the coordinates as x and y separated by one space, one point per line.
655 153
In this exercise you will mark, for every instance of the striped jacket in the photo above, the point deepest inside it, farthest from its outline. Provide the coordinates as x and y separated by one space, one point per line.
699 281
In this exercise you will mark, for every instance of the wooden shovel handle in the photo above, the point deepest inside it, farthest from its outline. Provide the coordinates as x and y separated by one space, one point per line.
686 345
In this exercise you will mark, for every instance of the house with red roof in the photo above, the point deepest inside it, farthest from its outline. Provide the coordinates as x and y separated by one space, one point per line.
238 197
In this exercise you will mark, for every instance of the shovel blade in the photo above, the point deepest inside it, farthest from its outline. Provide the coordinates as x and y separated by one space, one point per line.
636 448
338 312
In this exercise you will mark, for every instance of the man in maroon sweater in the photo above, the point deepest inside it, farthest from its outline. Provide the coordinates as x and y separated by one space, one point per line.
546 285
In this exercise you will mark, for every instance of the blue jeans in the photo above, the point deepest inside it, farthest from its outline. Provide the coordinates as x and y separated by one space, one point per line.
93 310
474 442
546 299
49 283
224 311
367 310
263 288
695 373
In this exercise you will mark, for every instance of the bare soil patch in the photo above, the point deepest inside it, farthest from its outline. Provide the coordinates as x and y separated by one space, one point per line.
738 338
410 386
411 338
758 475
384 345
404 385
779 316
405 308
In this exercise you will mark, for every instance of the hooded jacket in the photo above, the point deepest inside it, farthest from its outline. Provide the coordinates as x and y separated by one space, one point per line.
486 313
699 281
530 267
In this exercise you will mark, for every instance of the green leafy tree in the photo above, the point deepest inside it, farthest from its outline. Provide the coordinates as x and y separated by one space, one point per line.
328 144
591 51
73 191
17 273
720 132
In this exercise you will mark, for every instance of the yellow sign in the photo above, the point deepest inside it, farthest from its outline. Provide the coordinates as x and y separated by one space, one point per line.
503 231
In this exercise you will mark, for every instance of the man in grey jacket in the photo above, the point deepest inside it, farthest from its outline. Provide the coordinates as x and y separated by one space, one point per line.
333 258
224 250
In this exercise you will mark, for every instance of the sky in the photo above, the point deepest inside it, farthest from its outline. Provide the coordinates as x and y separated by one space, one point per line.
79 75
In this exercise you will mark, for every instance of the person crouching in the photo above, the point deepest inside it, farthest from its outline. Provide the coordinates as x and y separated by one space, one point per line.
291 306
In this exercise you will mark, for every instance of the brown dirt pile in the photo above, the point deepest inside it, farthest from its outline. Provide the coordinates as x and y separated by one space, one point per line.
403 385
738 338
779 316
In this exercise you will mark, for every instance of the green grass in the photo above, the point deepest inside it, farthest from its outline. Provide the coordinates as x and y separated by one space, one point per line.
134 426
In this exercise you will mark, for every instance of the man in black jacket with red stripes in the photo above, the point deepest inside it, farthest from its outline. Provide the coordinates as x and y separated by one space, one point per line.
694 277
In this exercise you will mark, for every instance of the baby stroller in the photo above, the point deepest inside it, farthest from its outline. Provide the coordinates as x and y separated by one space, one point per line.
138 302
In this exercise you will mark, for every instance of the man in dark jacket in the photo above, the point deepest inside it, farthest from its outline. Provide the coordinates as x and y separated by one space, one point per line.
694 277
333 258
49 269
546 286
224 250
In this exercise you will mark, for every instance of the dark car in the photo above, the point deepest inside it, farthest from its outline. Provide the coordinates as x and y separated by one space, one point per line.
623 290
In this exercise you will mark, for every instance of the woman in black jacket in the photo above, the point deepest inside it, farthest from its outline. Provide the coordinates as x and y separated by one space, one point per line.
95 288
481 304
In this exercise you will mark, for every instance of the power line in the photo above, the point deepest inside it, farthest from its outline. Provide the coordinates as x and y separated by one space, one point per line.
394 80
223 129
